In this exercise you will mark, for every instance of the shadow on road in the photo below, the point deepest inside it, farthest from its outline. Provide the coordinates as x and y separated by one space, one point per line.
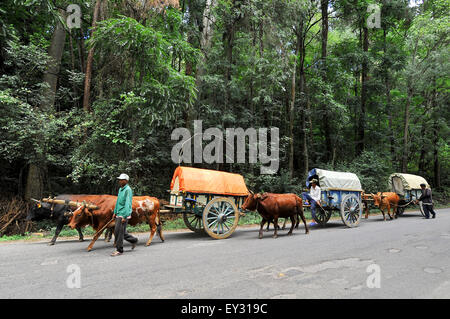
408 215
59 242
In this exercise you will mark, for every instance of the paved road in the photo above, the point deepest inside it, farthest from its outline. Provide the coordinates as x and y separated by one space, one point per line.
412 255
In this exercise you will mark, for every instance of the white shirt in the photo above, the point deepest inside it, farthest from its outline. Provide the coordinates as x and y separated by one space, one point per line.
315 193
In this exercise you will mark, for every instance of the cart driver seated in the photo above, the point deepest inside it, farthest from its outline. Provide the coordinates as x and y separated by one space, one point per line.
313 198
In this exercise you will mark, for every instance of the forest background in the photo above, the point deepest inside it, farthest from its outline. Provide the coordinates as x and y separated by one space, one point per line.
80 105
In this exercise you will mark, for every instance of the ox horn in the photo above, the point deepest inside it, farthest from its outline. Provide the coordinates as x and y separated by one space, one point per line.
251 192
35 200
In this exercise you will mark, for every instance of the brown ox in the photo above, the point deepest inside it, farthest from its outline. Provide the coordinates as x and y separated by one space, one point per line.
386 200
273 206
144 209
60 213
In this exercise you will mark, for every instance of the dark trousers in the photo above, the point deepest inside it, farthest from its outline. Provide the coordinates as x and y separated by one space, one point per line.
427 209
120 233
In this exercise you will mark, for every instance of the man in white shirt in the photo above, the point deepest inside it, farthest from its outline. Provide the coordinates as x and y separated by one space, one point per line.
313 197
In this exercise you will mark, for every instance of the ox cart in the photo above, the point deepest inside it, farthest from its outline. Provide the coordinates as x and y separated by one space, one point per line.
407 187
340 191
209 200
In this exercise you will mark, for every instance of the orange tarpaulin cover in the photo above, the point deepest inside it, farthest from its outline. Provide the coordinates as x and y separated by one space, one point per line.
199 180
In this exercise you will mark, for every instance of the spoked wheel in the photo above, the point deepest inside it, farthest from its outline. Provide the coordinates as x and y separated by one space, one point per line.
351 210
400 211
220 218
194 222
322 216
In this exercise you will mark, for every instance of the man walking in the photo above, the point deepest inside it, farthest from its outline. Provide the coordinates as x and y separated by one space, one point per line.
122 213
427 201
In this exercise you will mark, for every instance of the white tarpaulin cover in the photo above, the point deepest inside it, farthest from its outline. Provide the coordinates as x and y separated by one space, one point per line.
399 182
332 179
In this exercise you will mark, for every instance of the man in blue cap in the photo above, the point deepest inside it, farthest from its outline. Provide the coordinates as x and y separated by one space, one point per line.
122 213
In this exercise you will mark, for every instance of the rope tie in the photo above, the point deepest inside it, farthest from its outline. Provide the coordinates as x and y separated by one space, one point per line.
405 204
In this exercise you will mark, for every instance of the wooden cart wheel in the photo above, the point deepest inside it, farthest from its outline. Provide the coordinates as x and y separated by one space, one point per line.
220 217
322 216
351 210
400 211
194 222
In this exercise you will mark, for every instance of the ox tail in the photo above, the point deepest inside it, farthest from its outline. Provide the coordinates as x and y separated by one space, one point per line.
299 205
300 213
159 225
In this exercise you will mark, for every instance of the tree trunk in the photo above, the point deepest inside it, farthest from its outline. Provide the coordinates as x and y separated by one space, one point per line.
388 100
51 74
261 43
90 59
304 104
205 42
422 163
304 101
364 77
188 116
208 21
356 89
72 60
436 166
390 124
291 122
437 169
229 42
81 52
308 127
326 119
35 181
407 108
292 104
228 36
406 128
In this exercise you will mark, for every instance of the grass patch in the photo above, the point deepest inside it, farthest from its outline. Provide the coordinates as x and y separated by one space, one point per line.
15 237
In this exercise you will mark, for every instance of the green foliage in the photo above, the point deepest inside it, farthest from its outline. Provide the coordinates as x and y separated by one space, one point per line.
14 237
148 52
151 75
149 95
18 128
22 127
372 169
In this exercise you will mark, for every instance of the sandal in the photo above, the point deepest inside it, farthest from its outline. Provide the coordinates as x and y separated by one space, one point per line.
116 253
